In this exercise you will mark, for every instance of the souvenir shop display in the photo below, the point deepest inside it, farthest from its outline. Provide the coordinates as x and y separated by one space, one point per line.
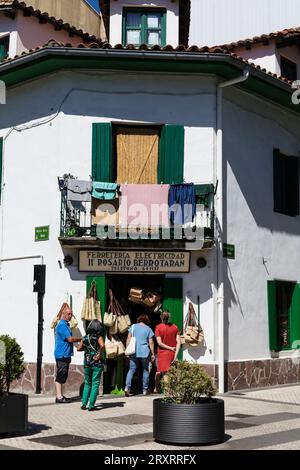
145 297
73 322
192 332
118 323
135 295
91 309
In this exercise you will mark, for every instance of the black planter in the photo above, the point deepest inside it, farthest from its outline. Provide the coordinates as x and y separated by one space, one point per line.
13 413
203 423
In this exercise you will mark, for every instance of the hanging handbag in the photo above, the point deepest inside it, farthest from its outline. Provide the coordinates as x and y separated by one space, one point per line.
130 350
122 324
122 319
193 334
111 348
121 348
91 309
73 322
151 299
113 329
109 318
136 295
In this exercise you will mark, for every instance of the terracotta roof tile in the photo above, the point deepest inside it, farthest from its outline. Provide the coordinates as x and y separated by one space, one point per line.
144 47
44 16
290 33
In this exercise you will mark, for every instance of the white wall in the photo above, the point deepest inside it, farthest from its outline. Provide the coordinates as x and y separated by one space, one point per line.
262 55
268 56
201 283
27 33
34 158
217 21
116 9
252 129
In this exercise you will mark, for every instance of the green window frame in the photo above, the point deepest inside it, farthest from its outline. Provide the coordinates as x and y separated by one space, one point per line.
284 315
170 160
286 184
173 302
4 47
143 26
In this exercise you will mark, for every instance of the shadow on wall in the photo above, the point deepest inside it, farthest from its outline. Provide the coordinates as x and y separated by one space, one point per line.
249 141
195 352
115 96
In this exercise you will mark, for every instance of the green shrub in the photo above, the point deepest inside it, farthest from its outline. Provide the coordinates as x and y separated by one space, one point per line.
187 383
13 366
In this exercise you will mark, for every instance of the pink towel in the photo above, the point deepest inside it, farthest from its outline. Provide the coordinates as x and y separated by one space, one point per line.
144 205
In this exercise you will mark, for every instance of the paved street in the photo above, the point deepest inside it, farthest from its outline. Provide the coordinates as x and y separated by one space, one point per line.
266 419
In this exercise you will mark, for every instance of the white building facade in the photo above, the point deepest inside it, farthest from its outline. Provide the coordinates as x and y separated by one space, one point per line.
81 112
47 131
219 22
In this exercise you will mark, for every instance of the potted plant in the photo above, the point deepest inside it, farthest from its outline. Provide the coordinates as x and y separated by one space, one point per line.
13 406
188 413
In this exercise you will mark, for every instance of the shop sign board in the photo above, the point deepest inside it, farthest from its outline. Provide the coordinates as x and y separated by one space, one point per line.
41 233
134 261
228 251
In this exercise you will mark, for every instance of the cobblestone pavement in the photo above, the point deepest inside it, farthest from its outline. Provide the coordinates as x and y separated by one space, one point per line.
264 419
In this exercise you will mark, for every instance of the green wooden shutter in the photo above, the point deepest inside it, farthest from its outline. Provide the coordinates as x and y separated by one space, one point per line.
102 161
273 320
171 155
173 302
1 164
2 52
295 318
279 182
292 185
101 285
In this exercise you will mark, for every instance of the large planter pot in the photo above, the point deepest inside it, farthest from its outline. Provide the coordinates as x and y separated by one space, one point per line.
13 413
203 423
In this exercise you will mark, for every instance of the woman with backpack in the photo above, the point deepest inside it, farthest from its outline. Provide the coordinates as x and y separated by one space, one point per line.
93 346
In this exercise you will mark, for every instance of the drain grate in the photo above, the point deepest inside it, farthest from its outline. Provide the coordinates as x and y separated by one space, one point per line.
65 440
240 416
128 419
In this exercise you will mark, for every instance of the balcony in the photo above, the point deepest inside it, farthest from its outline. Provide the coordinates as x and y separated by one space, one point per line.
91 224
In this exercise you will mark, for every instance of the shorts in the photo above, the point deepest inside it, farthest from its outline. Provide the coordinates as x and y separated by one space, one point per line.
62 369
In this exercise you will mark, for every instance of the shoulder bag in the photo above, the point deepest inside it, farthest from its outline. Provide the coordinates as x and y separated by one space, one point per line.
130 350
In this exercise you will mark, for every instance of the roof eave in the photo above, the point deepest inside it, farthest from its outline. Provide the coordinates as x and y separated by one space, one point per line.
190 62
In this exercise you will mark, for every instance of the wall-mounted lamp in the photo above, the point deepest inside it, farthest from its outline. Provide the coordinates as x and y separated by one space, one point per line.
201 263
68 260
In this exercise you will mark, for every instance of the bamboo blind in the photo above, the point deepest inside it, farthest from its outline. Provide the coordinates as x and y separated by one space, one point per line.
137 155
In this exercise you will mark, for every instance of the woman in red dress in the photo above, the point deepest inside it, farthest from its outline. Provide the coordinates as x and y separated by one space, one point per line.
168 341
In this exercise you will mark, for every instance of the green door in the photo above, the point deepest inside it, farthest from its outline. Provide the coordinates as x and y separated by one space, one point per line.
173 302
101 285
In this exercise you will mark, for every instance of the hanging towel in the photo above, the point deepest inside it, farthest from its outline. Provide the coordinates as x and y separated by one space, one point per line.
144 205
106 191
182 203
79 190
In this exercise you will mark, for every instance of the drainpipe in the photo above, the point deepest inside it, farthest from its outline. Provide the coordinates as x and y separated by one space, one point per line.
220 228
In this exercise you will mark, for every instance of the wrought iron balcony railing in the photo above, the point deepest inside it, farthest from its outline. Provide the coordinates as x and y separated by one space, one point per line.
78 219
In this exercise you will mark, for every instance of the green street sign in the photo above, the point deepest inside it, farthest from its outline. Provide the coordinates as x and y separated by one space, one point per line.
42 233
228 251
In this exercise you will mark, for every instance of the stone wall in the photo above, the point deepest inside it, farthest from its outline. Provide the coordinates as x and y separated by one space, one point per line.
27 383
240 376
259 374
